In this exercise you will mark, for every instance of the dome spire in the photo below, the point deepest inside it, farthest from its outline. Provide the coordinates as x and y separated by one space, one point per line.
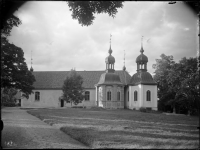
124 68
142 45
110 50
31 69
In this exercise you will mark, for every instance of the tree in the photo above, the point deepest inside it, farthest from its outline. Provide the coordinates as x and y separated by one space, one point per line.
178 84
14 70
72 88
8 25
83 11
184 80
8 97
162 69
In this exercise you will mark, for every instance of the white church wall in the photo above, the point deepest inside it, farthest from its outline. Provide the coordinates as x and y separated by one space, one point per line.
153 102
135 104
90 103
126 98
48 98
142 97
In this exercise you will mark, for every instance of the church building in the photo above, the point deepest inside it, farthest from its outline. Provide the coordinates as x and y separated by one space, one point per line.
114 89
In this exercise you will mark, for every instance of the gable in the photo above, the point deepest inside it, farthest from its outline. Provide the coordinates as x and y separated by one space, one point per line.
55 79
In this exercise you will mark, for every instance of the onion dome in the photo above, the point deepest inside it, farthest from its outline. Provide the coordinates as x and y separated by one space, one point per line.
142 78
110 59
142 58
110 79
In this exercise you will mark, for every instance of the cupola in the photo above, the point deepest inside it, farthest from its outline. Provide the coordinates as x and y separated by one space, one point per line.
142 60
110 77
110 61
142 76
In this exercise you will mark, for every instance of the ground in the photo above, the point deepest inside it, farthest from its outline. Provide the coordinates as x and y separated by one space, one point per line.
24 131
104 128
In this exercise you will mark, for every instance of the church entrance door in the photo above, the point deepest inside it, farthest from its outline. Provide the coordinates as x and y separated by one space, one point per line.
61 103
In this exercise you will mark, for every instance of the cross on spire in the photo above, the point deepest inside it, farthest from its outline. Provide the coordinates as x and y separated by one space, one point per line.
124 57
124 68
142 45
110 50
110 38
142 40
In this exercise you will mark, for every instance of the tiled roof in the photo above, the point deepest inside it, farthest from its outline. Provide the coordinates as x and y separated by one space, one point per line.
55 79
110 79
142 78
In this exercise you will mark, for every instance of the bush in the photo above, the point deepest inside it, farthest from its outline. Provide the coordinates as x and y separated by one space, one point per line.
143 109
9 104
78 107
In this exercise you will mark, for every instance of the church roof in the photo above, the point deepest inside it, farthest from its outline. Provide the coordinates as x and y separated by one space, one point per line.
142 77
55 79
110 79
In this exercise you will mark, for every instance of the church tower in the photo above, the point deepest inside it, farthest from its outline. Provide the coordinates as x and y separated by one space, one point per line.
142 87
110 89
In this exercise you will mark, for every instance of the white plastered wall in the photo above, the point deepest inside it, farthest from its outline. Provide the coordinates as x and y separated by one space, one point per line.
90 103
48 98
153 102
135 104
142 102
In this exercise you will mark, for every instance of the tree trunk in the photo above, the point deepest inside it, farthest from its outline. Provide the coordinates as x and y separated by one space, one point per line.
71 103
188 113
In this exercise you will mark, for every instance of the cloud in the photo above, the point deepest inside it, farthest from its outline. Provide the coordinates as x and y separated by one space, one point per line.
59 42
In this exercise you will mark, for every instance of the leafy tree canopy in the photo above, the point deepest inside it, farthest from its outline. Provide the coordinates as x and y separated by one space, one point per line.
8 96
178 83
84 10
14 70
9 24
72 88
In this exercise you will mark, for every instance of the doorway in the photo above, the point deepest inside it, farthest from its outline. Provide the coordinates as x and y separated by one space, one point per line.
61 103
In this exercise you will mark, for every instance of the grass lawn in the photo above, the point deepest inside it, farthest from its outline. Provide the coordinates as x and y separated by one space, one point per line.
101 128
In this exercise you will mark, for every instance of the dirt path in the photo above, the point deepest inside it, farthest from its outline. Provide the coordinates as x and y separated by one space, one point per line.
22 130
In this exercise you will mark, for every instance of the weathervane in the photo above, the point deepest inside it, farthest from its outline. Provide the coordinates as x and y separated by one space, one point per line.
142 45
142 40
124 57
110 38
31 58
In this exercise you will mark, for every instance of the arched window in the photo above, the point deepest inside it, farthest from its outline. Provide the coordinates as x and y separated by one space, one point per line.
128 96
118 96
109 95
148 95
37 96
135 96
87 96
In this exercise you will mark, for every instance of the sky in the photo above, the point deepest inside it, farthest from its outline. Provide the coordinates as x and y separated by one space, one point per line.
60 43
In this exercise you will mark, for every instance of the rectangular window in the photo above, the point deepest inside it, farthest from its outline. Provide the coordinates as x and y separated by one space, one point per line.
118 96
135 96
109 95
37 96
128 96
87 96
148 95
